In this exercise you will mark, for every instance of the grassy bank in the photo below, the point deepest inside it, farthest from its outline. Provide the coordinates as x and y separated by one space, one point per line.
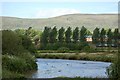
16 67
58 51
104 50
106 57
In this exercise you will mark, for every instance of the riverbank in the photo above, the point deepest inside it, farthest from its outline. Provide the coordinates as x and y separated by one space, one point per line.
17 66
99 56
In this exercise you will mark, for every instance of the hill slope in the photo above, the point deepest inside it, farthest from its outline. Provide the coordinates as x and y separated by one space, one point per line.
90 21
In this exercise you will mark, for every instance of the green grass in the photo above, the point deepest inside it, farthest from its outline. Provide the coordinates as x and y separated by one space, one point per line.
10 74
16 67
105 57
58 51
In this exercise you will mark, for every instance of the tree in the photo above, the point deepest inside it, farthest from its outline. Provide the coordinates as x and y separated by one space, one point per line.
116 36
11 43
83 34
53 35
27 44
114 69
96 36
102 36
88 33
45 37
61 34
20 31
28 31
68 34
109 37
76 34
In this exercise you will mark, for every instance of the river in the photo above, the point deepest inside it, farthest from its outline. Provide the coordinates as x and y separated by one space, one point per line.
51 68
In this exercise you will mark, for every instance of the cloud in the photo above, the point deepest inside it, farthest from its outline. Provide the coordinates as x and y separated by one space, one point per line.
46 13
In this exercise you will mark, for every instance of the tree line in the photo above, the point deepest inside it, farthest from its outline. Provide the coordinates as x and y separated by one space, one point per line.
52 38
109 37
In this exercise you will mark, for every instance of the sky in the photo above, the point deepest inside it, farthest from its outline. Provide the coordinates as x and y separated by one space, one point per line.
53 9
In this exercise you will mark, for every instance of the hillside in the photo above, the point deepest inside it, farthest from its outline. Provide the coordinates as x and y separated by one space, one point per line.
90 21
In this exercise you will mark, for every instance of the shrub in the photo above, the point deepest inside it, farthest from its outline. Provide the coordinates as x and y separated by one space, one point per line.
9 74
17 64
73 57
13 63
11 43
114 70
88 49
16 55
63 49
27 44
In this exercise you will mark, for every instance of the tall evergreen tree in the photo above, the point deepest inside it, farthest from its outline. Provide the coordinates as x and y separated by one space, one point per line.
45 36
76 34
68 34
61 34
102 36
116 36
83 33
96 36
109 37
53 35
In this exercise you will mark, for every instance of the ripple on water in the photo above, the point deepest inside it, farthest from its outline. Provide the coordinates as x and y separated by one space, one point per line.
50 68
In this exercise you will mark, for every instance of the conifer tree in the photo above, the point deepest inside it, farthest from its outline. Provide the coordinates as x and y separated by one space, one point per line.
53 35
96 36
68 34
76 35
109 37
83 34
102 36
61 34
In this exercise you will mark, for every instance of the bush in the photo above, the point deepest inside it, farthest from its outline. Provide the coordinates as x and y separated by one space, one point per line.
88 49
13 63
63 49
73 57
74 46
16 55
114 70
17 64
111 71
27 44
11 43
9 74
51 46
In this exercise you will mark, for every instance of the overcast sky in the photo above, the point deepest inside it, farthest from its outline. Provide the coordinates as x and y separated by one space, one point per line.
52 9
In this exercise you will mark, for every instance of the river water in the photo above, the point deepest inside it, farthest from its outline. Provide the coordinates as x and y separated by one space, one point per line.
51 68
